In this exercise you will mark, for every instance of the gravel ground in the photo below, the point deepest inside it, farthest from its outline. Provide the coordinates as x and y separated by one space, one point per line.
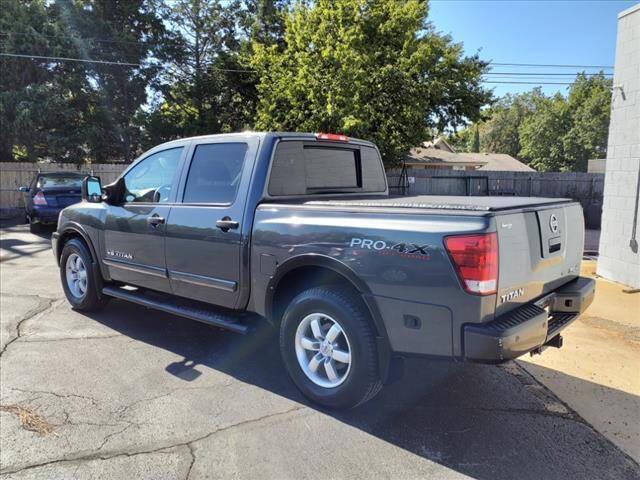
134 393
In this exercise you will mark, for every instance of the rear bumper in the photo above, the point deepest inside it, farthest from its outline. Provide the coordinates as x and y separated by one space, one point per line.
528 327
41 213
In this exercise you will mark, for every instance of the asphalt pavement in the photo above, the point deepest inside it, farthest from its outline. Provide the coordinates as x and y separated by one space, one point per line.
134 393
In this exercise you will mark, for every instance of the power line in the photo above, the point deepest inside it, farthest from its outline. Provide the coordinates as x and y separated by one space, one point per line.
545 74
105 62
66 59
527 83
549 65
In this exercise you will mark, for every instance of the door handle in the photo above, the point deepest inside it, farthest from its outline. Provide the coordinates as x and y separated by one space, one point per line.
155 220
225 224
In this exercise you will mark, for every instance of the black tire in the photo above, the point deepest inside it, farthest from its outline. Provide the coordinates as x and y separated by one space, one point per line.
90 300
35 227
362 381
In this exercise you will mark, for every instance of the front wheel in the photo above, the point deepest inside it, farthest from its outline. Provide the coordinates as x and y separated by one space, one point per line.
78 282
328 345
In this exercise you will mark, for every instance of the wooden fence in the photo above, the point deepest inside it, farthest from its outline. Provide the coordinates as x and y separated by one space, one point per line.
16 174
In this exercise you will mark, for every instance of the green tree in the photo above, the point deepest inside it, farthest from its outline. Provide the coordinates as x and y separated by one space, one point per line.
474 140
500 133
208 86
68 110
589 104
127 34
371 69
541 134
37 97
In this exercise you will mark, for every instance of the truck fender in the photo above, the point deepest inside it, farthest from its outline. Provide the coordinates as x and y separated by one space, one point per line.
72 229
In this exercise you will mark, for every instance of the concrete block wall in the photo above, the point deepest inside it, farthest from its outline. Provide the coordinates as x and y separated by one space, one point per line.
619 260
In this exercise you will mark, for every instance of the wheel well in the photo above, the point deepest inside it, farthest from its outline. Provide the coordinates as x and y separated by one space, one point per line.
69 235
303 278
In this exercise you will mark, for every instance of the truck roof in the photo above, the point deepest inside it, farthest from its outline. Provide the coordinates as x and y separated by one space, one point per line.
309 136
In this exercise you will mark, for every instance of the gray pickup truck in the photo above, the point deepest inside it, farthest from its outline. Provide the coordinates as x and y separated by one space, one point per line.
299 230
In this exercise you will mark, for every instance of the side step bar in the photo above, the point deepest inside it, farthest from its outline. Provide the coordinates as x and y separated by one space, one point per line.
181 308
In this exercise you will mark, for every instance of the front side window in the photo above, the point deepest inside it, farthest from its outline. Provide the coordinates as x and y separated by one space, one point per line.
215 173
151 180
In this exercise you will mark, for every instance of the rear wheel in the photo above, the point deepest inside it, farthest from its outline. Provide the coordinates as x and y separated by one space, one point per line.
328 346
78 282
35 227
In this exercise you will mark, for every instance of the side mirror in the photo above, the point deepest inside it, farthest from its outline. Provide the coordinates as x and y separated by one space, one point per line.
91 190
23 189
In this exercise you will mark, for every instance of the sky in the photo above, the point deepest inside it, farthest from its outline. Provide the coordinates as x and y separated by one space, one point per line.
536 32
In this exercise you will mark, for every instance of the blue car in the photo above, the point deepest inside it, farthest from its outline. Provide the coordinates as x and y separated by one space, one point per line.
47 194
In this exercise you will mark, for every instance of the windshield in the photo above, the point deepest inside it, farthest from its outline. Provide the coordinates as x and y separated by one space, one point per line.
60 181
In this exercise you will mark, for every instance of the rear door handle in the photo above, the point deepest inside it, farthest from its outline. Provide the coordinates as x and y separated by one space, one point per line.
155 220
225 224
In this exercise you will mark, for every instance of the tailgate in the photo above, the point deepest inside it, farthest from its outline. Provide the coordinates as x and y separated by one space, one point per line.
540 249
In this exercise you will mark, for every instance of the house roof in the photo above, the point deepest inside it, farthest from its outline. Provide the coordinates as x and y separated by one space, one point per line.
481 161
439 143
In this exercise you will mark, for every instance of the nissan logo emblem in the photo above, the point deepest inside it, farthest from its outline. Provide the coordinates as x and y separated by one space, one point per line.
553 223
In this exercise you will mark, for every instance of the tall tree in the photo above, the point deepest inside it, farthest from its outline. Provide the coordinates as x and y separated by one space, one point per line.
69 110
589 104
125 33
207 86
541 134
500 133
372 69
474 141
38 97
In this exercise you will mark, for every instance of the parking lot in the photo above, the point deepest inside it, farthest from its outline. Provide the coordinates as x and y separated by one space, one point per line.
134 393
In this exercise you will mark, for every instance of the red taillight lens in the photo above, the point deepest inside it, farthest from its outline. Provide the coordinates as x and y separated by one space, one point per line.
336 137
39 199
475 258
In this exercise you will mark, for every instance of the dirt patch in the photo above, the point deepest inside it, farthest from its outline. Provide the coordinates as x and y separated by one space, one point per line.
29 420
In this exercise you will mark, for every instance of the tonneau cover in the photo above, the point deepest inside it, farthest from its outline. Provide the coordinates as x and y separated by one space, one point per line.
435 202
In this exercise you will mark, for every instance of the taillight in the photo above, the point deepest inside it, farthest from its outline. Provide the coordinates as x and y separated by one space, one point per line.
39 199
336 137
475 258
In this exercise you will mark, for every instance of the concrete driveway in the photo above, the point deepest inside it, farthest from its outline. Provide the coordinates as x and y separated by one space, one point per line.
133 393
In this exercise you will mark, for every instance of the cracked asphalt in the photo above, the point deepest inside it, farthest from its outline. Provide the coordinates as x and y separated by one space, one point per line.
133 393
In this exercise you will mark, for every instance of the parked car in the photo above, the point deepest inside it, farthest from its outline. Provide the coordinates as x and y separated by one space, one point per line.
47 194
299 230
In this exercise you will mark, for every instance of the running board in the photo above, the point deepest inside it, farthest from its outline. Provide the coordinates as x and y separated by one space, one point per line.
182 308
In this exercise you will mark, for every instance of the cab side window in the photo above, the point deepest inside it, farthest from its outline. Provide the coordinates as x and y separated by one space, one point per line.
151 180
215 173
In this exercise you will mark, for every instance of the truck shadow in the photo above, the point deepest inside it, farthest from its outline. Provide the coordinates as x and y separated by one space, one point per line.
483 421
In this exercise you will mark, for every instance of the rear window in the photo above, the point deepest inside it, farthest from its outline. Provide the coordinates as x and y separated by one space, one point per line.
59 181
304 168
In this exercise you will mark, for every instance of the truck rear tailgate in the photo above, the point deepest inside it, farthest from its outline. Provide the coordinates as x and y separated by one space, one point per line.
540 249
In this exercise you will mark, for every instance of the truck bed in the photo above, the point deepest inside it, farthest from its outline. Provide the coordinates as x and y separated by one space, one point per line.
438 202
